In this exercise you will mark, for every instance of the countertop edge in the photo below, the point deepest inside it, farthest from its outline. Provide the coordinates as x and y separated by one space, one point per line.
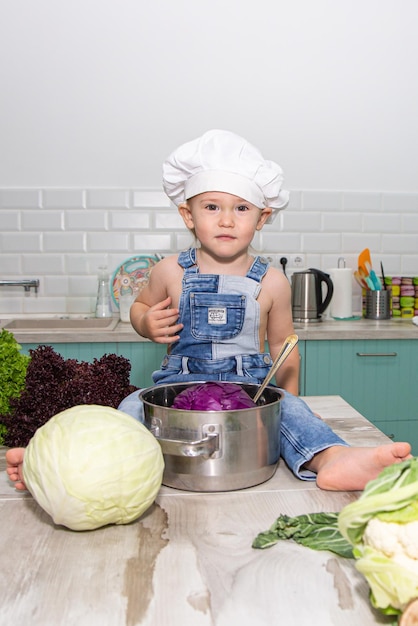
321 331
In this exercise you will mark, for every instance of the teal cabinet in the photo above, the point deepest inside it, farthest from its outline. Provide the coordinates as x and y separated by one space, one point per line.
379 378
145 357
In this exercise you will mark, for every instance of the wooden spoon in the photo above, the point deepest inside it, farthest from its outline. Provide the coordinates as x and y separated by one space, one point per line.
287 347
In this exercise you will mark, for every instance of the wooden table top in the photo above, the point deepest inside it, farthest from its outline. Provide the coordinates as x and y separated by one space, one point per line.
188 560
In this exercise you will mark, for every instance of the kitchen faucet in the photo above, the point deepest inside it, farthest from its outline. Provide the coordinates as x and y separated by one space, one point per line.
27 284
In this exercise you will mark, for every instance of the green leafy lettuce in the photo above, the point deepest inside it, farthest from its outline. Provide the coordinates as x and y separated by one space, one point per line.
13 365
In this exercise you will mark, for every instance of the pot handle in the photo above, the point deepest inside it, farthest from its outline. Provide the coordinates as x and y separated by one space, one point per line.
202 447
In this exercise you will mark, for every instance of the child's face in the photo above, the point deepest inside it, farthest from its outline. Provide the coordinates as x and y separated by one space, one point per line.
222 222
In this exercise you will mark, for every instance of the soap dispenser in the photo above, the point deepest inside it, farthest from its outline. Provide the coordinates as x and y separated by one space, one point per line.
103 302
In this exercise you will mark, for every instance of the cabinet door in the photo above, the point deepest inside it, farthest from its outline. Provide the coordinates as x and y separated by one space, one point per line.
379 378
145 357
401 430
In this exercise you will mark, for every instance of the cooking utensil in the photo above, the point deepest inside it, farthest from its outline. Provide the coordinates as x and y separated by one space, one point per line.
383 275
373 277
363 258
215 450
287 347
366 279
360 280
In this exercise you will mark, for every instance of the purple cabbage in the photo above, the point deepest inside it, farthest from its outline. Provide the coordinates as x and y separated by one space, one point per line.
213 396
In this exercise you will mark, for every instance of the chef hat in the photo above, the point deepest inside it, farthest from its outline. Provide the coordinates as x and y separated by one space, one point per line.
222 161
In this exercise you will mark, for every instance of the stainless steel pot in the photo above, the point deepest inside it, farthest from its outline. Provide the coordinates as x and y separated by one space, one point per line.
215 450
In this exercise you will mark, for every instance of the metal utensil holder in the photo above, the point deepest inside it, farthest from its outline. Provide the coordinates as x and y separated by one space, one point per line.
378 305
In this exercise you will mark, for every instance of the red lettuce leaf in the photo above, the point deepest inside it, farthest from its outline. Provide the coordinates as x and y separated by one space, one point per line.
54 384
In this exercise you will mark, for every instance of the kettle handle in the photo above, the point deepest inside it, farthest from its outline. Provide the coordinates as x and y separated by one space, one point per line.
324 278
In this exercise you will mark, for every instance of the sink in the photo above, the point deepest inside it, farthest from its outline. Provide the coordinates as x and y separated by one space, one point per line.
78 324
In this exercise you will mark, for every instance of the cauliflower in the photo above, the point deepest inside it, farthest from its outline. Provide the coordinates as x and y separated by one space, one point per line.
397 541
382 527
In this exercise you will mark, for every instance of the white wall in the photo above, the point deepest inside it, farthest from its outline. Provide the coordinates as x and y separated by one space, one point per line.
94 94
97 92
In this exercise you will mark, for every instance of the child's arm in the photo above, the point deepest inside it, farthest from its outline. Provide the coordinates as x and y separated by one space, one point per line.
156 322
151 315
280 326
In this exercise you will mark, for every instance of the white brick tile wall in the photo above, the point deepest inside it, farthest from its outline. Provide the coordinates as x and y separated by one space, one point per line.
150 199
9 220
107 198
400 202
20 198
361 201
393 243
41 220
63 198
322 242
342 222
182 241
10 265
280 242
62 236
56 285
85 220
384 223
410 222
357 241
105 242
129 220
295 202
322 200
168 220
36 265
292 221
53 242
21 242
153 243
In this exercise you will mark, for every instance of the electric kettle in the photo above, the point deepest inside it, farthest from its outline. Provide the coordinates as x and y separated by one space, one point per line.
308 301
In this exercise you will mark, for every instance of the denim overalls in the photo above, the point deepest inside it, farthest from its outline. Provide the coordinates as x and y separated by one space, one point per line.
220 341
220 335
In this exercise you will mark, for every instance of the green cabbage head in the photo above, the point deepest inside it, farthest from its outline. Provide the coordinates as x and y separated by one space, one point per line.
93 465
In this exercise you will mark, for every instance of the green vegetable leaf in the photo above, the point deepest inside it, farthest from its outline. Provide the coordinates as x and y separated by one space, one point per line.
318 531
392 586
387 496
13 367
391 497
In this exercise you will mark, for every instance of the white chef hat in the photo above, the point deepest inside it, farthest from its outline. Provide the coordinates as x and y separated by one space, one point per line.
222 161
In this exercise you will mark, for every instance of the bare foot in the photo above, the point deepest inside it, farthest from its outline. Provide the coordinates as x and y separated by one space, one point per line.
342 468
14 467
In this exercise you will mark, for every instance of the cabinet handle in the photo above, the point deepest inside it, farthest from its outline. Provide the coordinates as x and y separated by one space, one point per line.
377 354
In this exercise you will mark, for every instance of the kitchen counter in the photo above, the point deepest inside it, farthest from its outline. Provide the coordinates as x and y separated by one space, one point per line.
324 330
188 560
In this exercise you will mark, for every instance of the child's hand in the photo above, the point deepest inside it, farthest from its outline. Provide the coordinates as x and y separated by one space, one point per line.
159 323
